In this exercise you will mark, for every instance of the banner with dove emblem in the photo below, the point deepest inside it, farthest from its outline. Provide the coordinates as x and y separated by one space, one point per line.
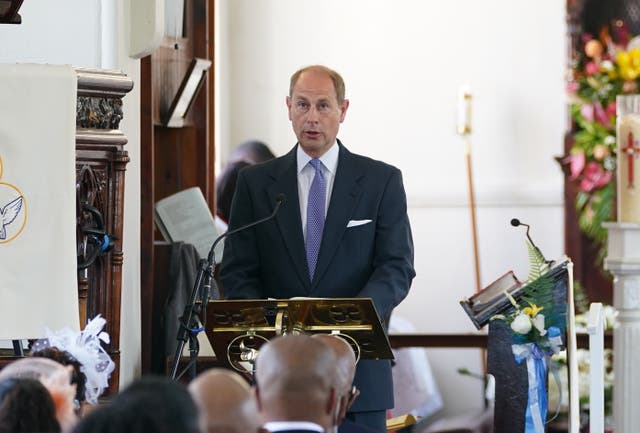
38 279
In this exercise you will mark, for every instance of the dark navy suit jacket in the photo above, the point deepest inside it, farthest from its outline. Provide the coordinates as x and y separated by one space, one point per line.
348 426
373 260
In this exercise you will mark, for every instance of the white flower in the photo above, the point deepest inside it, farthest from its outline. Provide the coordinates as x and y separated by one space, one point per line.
521 324
538 322
610 315
606 65
560 357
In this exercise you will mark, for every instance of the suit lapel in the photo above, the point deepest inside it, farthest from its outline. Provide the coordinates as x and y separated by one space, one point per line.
344 198
288 218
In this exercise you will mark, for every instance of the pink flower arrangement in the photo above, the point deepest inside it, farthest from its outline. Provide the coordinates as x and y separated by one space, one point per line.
606 67
594 176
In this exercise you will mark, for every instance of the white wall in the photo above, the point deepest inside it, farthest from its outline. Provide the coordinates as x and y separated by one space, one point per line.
93 33
403 62
50 33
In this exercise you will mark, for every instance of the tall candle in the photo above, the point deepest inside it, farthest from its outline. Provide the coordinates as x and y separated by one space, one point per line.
628 153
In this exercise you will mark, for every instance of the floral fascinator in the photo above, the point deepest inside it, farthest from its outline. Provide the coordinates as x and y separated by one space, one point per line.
85 346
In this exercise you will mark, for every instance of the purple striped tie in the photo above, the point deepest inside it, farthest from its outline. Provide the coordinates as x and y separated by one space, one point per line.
315 216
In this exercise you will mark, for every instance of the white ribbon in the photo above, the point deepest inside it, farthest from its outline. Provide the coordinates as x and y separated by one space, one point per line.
533 394
526 352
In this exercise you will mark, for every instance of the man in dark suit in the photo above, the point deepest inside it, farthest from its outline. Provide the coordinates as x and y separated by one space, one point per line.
343 231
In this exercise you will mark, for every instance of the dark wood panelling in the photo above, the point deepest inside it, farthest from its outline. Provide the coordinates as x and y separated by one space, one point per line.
175 158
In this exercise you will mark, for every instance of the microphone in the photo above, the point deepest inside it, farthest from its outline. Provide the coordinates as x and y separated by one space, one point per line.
516 222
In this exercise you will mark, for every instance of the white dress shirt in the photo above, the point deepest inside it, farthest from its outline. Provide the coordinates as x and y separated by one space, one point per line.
305 177
275 426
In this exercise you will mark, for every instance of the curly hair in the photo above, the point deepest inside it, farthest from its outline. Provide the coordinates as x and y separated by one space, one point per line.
63 357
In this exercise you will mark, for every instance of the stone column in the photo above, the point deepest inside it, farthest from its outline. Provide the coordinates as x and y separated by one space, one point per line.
623 261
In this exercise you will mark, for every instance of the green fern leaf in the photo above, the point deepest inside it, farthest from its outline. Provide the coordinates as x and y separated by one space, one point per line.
537 264
540 292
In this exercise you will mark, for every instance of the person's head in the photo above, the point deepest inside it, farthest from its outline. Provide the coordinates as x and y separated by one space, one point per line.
252 151
34 368
156 404
227 403
26 406
78 378
344 373
226 187
316 105
55 377
294 378
102 419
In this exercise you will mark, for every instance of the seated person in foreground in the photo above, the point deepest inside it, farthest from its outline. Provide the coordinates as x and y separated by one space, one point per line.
343 376
150 404
226 402
295 385
78 378
26 406
57 380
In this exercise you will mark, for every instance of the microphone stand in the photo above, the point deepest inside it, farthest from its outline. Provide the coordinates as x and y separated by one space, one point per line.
516 222
201 289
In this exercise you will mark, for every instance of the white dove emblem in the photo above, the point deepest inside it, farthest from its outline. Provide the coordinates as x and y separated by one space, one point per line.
8 214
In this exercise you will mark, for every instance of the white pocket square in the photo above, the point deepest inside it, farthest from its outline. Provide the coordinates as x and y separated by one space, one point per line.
355 223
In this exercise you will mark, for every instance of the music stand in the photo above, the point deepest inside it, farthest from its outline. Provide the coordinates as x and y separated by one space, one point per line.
237 329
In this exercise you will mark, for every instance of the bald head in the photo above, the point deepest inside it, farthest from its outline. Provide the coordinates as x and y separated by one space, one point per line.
344 374
295 380
226 402
346 359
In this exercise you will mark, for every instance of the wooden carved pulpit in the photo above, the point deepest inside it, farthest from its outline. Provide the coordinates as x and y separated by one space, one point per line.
101 161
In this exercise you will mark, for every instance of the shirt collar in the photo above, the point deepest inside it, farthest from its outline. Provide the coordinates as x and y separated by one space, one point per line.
273 426
329 159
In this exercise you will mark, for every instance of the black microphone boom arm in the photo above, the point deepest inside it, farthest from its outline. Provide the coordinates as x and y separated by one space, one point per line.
516 222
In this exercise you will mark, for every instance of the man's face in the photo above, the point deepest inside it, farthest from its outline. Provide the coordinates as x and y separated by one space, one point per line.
315 113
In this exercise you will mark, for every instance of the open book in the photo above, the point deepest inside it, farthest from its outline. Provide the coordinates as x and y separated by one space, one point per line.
491 300
185 216
482 306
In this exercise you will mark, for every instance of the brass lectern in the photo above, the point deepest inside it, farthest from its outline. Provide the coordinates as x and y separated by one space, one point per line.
237 329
